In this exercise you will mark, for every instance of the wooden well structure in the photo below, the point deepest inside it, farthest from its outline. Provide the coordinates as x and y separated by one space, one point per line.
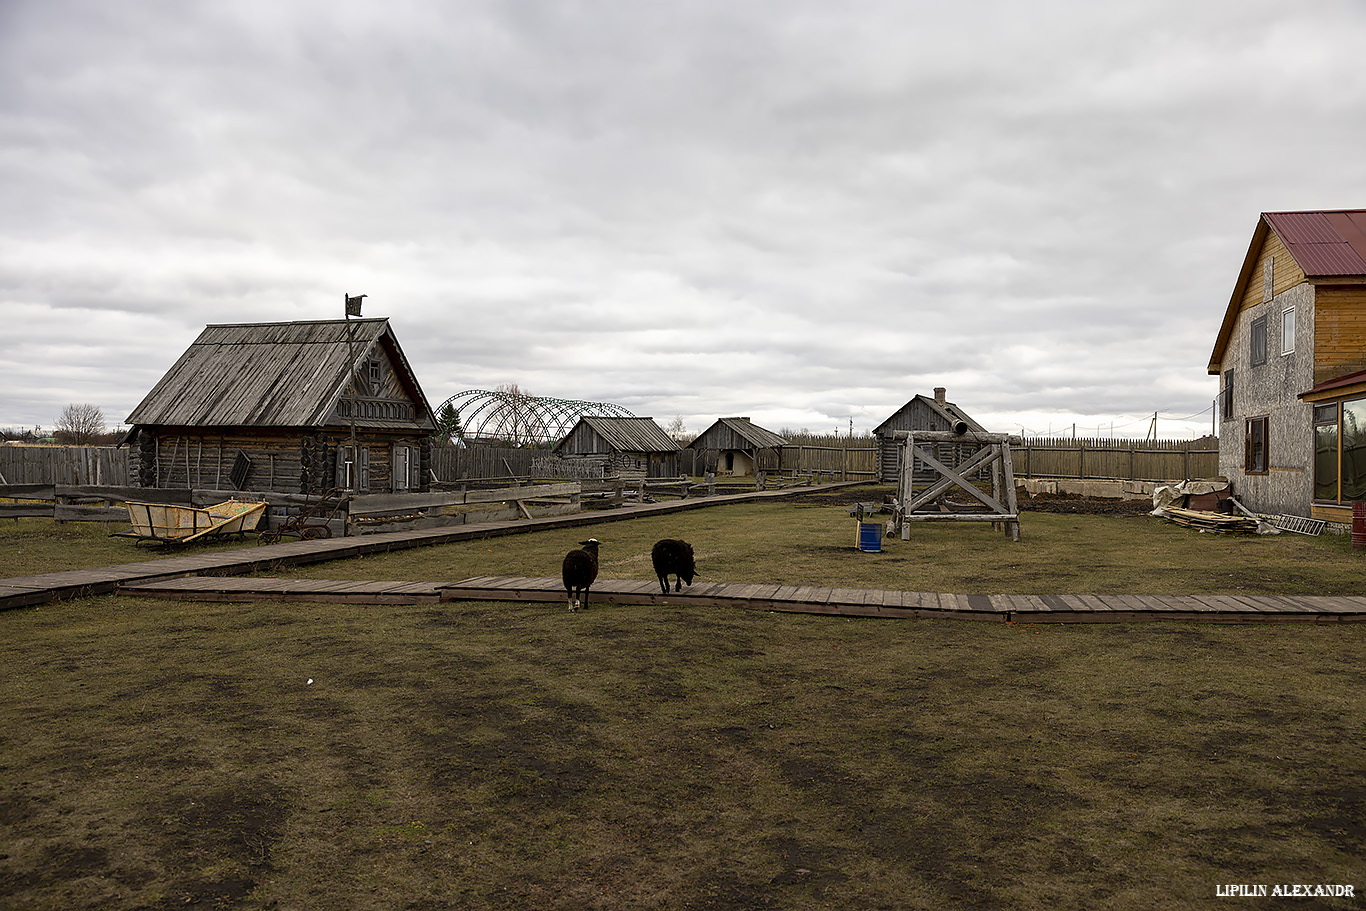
928 477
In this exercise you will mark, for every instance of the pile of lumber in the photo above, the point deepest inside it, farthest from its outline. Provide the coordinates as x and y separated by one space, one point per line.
1211 521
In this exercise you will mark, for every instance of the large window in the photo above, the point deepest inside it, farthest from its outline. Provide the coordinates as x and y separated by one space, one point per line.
1326 452
1353 470
1255 449
1340 451
1258 341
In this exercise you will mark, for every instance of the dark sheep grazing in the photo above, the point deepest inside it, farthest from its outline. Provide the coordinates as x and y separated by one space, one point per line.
671 556
579 570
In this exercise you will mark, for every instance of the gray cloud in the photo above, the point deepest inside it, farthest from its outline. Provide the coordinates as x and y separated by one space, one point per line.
787 210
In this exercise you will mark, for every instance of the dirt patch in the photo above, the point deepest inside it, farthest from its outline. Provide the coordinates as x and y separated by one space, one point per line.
1075 504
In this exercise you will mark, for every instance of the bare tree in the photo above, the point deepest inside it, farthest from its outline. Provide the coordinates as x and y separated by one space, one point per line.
79 425
514 416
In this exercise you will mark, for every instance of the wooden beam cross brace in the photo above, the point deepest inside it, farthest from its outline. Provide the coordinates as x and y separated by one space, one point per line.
952 477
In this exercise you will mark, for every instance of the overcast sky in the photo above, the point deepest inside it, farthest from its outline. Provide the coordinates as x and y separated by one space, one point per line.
802 211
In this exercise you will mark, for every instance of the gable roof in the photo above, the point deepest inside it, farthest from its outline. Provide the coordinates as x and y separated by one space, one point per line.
752 433
949 412
1325 244
627 434
275 375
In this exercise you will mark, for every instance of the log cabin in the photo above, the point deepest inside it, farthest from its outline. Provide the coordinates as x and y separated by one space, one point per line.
920 413
634 448
273 407
732 446
1291 358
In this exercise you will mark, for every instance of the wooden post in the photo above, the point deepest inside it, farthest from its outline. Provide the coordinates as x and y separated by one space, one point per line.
1012 504
907 481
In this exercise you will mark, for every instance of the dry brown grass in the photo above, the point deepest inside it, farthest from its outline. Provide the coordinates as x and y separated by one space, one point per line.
157 754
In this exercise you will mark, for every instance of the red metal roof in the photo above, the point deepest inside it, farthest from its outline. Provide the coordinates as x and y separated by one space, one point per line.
1350 379
1331 242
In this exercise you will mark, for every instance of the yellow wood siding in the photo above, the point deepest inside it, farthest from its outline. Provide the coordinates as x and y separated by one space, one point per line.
1338 515
1286 274
1339 331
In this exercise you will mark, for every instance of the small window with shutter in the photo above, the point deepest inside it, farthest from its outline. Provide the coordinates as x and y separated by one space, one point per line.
353 468
1258 341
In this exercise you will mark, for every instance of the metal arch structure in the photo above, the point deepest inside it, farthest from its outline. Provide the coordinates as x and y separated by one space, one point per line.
514 418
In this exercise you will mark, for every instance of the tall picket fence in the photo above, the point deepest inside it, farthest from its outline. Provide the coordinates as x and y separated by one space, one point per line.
1129 460
856 457
467 463
74 465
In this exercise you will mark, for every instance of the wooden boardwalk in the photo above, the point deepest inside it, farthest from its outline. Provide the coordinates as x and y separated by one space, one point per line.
217 576
24 591
847 602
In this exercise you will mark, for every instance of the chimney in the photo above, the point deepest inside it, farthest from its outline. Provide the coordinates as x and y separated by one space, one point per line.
939 393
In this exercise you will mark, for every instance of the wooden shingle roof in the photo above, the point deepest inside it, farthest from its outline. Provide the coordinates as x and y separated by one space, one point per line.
948 412
274 375
628 434
729 433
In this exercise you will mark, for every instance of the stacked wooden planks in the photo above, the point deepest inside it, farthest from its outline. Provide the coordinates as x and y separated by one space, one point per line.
1211 521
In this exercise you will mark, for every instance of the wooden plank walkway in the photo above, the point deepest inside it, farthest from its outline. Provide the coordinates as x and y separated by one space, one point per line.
848 602
25 591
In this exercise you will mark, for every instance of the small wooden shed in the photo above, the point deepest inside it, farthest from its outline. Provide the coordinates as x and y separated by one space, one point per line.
271 407
920 413
625 447
732 446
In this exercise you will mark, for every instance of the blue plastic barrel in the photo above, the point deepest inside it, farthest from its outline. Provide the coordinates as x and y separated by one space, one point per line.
870 537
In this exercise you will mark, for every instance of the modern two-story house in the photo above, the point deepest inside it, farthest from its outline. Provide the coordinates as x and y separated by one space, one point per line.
1291 358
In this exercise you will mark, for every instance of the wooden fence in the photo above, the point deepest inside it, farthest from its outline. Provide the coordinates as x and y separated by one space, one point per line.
1111 459
73 465
460 463
850 458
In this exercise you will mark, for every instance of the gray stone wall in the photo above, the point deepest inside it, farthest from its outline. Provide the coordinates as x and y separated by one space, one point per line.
1272 389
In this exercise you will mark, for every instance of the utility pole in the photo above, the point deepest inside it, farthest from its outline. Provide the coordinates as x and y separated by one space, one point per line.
352 309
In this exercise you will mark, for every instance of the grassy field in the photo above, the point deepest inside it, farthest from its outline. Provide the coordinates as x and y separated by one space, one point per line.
157 754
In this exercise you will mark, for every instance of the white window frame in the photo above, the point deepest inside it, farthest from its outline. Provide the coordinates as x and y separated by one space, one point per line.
1288 331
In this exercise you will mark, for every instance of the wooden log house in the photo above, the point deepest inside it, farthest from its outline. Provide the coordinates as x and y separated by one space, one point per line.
633 447
732 446
273 406
921 413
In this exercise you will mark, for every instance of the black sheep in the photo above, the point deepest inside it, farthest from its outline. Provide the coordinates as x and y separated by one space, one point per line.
579 570
673 556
